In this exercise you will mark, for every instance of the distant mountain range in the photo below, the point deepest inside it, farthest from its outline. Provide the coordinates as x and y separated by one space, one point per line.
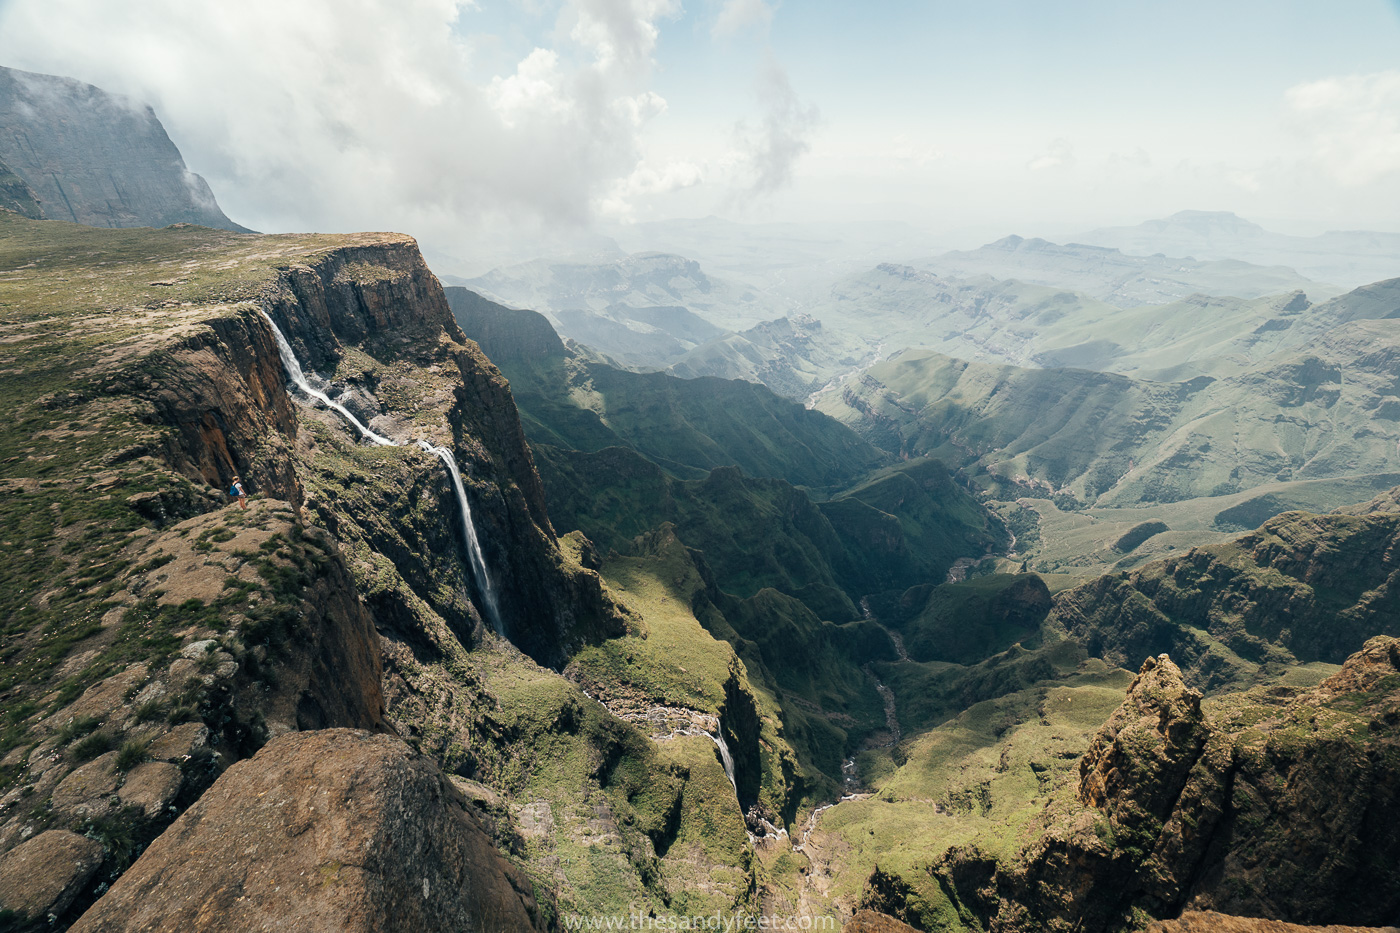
655 311
1117 278
615 289
1027 302
1348 258
71 151
1324 403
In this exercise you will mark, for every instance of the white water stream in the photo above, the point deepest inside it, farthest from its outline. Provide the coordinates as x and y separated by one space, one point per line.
478 560
294 372
727 759
474 553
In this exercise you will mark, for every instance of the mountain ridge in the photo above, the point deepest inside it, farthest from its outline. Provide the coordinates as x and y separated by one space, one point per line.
98 158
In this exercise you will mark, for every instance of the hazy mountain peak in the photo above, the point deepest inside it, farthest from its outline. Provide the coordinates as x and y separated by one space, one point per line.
96 158
1203 221
1344 258
1107 273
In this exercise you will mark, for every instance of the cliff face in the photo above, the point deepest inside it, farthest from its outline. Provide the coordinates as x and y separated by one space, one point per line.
156 633
17 196
1272 803
504 334
1303 587
377 321
96 158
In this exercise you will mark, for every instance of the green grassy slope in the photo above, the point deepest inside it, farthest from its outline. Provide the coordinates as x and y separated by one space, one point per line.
1110 441
1302 588
761 533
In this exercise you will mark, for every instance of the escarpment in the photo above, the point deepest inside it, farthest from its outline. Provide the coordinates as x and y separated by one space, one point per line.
376 319
156 632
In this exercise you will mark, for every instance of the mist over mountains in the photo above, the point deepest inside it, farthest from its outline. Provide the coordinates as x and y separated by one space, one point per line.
91 157
1345 257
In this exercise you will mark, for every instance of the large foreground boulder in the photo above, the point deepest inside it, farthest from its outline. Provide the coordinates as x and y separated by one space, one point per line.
332 830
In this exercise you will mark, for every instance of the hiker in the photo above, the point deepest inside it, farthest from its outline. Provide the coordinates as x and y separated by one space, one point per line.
236 490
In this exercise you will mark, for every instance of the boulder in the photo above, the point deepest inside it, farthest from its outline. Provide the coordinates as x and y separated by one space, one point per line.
86 790
152 787
39 878
331 830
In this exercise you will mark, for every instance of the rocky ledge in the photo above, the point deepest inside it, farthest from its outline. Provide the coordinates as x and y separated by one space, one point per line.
338 830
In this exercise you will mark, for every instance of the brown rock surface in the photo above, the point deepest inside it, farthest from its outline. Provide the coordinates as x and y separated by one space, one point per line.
1193 921
1270 802
1148 745
86 789
151 786
41 877
179 742
332 830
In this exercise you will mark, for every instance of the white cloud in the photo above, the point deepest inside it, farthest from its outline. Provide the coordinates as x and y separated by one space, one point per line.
1137 160
770 152
1060 154
359 114
621 33
1353 123
644 182
736 16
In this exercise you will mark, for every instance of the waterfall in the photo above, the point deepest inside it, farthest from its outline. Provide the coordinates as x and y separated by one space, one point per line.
478 561
294 373
474 555
728 760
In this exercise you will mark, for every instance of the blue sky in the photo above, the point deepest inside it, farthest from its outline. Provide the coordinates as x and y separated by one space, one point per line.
453 119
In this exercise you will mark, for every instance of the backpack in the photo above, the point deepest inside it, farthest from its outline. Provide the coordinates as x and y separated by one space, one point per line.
233 490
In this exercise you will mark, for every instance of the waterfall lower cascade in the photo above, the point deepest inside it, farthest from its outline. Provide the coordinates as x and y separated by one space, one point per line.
478 561
474 553
727 759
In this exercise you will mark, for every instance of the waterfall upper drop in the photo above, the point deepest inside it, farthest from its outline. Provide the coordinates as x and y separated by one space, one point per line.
478 560
294 373
474 553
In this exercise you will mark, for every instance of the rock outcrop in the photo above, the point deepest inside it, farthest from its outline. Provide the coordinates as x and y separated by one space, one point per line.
40 878
504 334
1273 803
17 196
97 158
336 830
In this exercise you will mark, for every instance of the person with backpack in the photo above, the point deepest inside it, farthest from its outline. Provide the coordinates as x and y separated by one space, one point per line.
236 490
